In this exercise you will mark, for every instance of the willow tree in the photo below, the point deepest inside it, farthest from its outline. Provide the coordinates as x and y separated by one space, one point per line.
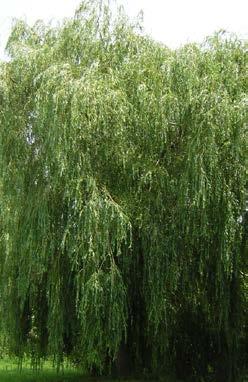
123 189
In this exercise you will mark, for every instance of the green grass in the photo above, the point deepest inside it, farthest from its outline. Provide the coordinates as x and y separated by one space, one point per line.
9 373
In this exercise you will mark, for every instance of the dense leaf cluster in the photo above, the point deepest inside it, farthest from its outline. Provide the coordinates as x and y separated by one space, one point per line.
123 190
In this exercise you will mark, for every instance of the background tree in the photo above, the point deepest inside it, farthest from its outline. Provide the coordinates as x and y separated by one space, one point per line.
124 179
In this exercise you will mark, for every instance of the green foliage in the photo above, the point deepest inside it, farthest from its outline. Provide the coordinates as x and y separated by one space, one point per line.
124 176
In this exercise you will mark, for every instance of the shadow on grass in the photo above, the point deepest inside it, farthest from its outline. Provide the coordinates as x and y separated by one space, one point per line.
9 373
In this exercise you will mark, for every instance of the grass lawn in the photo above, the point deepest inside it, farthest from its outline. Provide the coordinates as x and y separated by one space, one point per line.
9 373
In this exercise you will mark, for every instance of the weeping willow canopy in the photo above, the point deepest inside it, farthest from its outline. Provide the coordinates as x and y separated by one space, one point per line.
123 187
